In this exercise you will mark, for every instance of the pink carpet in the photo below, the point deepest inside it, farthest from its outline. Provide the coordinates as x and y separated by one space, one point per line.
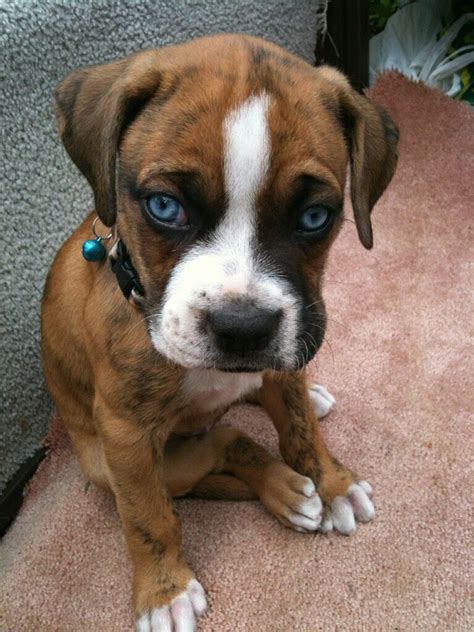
400 366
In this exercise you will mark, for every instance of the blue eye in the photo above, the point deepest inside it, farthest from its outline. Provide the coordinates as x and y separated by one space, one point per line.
314 219
166 209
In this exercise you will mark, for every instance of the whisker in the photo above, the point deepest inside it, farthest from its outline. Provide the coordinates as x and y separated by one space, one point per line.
319 301
330 320
313 340
141 321
330 348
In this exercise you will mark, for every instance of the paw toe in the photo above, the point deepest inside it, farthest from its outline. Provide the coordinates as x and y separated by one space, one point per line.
323 401
367 487
161 620
197 597
179 615
311 508
342 515
362 505
307 524
143 623
305 486
345 510
182 614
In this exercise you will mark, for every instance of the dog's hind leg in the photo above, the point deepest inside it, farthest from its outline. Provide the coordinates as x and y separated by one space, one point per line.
226 464
86 442
223 487
75 411
91 456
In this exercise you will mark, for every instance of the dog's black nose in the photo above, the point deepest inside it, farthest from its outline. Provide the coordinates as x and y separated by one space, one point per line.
242 327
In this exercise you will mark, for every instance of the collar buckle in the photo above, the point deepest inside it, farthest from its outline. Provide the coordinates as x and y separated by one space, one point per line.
127 276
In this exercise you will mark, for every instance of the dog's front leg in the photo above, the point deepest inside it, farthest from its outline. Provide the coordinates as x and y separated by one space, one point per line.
344 496
166 595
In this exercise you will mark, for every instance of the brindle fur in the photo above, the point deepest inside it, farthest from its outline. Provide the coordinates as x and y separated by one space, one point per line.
121 402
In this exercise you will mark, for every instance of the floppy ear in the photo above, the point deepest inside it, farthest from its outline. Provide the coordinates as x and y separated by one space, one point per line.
94 106
373 144
372 138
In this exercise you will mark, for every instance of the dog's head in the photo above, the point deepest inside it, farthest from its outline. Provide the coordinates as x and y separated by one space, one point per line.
223 163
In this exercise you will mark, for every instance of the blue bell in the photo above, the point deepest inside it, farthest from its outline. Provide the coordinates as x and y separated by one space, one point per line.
93 250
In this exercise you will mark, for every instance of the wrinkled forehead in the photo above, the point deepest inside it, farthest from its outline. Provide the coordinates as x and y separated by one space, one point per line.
251 106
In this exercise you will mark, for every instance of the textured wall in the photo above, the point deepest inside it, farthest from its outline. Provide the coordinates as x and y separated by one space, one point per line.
44 196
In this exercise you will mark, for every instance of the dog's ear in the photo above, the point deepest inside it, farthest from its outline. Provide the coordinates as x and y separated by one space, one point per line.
373 142
94 106
372 139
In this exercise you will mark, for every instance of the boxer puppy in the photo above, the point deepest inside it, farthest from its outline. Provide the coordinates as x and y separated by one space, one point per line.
219 168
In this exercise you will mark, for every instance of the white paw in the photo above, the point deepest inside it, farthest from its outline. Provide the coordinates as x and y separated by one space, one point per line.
345 510
323 401
292 498
179 616
305 510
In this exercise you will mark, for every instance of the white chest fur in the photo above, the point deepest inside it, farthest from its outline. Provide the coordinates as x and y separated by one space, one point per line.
209 389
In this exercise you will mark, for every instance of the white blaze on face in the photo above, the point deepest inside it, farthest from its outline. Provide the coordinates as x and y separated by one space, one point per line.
226 265
246 162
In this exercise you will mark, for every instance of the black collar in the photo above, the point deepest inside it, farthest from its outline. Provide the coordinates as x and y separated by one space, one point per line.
126 274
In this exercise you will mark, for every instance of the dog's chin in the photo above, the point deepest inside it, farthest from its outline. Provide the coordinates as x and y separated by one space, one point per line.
244 365
274 365
254 366
226 365
238 363
242 368
233 367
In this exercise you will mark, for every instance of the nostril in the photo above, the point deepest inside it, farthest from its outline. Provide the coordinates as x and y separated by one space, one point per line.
242 327
228 322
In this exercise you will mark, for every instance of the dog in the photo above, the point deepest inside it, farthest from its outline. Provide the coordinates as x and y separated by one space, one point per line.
218 169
